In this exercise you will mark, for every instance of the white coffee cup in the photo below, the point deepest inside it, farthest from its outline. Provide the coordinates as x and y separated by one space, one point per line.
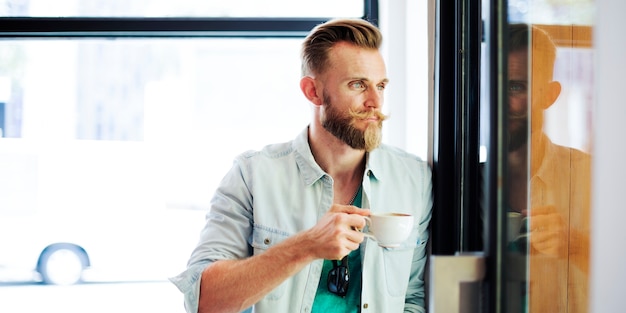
514 225
390 230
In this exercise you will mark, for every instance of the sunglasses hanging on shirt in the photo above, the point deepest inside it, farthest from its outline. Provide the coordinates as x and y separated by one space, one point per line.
339 277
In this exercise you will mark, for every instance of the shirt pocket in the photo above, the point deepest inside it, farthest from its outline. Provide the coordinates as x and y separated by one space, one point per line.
263 238
398 263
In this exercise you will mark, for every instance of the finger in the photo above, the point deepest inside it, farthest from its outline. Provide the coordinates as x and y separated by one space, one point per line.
537 224
356 210
548 239
544 247
355 237
349 209
542 209
356 222
552 222
544 221
540 236
552 218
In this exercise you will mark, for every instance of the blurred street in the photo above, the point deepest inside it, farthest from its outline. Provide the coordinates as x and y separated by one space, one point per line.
123 297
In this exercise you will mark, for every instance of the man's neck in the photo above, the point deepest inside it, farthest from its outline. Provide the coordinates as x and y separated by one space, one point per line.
518 173
343 163
518 159
334 156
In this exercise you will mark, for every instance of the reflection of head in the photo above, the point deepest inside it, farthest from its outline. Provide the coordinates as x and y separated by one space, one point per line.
323 37
531 57
543 52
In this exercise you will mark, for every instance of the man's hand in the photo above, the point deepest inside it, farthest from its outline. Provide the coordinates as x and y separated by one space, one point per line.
338 232
548 231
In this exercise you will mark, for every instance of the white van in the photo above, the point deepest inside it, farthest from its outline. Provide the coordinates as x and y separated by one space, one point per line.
83 210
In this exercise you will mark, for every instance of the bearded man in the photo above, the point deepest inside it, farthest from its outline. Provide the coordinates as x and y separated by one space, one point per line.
284 230
549 184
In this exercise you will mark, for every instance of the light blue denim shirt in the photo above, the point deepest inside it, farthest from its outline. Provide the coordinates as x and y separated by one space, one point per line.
271 194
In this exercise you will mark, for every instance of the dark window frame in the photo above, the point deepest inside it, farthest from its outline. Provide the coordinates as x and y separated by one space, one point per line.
164 27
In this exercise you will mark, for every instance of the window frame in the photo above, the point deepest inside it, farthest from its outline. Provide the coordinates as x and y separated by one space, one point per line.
164 27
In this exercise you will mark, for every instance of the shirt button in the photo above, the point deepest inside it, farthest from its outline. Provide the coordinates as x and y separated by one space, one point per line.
365 305
266 241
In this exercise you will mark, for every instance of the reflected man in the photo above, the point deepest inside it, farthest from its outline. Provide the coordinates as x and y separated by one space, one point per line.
552 188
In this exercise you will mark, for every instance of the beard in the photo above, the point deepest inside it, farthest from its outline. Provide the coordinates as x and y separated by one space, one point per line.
342 126
518 137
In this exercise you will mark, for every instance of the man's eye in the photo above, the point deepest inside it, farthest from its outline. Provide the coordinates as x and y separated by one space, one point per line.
381 87
358 85
517 87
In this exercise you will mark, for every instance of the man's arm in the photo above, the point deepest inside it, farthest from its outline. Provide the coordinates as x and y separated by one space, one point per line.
416 293
234 285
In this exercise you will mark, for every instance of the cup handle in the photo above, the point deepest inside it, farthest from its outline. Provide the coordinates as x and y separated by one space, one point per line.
368 223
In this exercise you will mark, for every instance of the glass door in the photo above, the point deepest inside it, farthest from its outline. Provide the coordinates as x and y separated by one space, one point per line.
548 157
512 124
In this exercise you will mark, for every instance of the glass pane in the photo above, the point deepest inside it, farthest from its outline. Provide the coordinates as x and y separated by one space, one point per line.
554 12
181 8
110 153
550 98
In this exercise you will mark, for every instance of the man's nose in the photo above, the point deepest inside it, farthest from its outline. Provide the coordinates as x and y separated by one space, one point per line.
374 98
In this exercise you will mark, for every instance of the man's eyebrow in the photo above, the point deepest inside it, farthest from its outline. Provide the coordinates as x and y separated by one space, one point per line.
384 81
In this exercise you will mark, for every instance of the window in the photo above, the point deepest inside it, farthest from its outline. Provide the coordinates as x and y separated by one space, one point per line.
119 120
183 8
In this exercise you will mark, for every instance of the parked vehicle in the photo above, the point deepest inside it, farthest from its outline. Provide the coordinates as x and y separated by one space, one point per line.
79 211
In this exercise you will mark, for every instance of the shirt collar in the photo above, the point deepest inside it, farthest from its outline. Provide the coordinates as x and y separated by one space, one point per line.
374 164
545 173
311 171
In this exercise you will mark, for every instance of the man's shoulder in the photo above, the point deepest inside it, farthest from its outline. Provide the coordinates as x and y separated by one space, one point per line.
391 152
270 151
394 161
570 153
278 150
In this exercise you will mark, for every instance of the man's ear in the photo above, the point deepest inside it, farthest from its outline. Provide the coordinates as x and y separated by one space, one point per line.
307 85
552 93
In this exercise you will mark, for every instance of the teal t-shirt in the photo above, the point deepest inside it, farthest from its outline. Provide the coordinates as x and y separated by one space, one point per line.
327 302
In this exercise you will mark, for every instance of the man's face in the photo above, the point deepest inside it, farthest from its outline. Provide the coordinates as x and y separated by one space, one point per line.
530 93
518 91
352 96
343 126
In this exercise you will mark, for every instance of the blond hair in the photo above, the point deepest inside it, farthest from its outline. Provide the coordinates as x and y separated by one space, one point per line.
323 37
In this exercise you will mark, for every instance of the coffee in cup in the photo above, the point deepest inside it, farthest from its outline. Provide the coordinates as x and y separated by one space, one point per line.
514 225
390 230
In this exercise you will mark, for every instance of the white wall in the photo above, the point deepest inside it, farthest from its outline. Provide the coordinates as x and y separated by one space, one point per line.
404 24
608 255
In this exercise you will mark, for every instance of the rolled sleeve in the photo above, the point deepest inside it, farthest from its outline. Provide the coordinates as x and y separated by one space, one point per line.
224 236
188 282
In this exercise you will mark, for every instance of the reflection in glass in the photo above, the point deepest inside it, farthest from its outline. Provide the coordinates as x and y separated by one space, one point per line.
554 12
548 183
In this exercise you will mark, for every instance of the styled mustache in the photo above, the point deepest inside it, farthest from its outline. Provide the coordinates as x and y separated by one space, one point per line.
518 116
368 114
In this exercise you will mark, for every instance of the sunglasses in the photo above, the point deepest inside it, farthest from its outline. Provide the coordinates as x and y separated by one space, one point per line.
339 277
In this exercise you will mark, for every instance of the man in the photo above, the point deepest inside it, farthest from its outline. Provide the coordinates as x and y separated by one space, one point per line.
283 233
554 185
